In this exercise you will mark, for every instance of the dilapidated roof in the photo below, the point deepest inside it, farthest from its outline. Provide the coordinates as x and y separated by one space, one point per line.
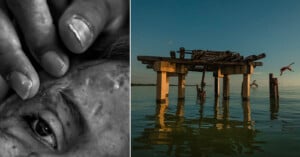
200 58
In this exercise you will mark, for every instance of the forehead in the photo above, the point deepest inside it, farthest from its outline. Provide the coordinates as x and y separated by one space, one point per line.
98 88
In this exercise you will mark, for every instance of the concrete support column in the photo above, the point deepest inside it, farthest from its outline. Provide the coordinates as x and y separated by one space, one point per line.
247 111
167 86
181 86
180 108
161 86
226 87
217 86
246 87
247 114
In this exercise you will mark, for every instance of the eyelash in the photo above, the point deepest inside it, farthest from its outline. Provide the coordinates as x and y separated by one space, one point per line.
33 120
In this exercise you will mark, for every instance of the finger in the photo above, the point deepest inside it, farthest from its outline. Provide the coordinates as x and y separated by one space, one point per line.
82 22
119 15
14 65
35 21
57 7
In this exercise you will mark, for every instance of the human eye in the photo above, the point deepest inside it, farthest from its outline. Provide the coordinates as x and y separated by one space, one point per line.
45 128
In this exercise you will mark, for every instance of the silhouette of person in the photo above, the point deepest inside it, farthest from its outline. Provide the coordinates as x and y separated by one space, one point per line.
254 84
288 67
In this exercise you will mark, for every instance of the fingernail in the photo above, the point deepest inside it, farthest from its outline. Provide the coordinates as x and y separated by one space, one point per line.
80 27
21 84
53 64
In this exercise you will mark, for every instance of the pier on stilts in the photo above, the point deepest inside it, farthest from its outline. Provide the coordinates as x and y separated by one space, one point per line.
222 64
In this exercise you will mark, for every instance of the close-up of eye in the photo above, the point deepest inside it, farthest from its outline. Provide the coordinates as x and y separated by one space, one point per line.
42 130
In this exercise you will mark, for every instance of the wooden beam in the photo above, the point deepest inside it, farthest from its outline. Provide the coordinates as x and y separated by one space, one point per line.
252 58
164 66
218 73
181 68
172 74
152 59
229 70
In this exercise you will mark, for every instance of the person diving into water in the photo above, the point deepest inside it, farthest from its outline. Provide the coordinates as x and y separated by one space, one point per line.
288 67
254 84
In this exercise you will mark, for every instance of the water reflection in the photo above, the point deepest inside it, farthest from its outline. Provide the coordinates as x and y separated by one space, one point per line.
274 108
179 136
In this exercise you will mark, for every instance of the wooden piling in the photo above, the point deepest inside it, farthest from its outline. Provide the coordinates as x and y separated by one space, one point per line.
181 53
273 86
173 54
226 87
274 93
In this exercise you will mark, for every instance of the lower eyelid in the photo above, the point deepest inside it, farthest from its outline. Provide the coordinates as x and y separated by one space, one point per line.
56 127
54 124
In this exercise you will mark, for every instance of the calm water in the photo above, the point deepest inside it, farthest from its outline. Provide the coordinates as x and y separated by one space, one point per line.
215 127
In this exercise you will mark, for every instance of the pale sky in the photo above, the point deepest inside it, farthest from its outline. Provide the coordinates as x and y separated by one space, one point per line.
248 27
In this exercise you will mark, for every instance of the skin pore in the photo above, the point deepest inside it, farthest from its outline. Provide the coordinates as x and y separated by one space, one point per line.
85 113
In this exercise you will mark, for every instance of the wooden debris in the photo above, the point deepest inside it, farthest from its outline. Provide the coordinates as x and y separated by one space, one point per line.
221 63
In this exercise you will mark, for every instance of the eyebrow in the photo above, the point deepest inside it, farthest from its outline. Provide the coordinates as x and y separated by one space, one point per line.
73 108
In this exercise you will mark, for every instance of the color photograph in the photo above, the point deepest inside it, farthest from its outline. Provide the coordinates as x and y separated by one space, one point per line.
215 78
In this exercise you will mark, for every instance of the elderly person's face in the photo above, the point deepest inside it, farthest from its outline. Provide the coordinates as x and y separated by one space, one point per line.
85 113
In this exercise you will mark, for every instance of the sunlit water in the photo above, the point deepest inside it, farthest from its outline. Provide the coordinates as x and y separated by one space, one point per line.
215 128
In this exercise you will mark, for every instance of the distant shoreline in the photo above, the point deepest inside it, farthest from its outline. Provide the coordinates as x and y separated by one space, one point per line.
152 84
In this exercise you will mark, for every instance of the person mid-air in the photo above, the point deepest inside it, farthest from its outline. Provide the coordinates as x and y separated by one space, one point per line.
288 67
254 84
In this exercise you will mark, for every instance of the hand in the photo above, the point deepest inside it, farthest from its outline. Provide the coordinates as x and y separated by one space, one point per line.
42 25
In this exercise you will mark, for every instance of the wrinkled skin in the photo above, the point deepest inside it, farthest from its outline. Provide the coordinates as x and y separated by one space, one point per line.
87 112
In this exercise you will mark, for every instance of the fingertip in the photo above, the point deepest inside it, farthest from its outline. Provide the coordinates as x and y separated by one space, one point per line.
76 33
82 22
35 85
54 63
24 86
